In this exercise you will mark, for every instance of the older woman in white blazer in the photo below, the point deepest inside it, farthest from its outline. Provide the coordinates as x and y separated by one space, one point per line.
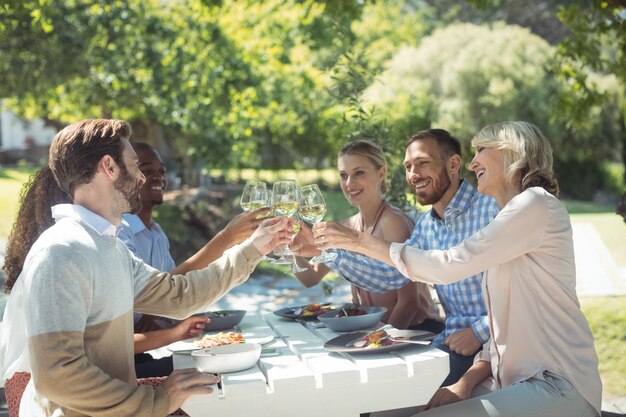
540 360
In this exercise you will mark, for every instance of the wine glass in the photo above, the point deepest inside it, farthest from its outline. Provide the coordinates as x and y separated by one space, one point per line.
312 210
284 203
296 228
254 196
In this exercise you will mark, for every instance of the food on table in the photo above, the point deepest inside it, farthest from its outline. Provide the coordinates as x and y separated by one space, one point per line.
350 311
313 309
219 339
374 340
218 314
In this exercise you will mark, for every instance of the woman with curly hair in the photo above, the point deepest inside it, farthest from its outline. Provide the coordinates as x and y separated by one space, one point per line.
39 194
540 359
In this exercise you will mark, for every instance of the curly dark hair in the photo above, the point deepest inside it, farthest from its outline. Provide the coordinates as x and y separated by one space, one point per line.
39 194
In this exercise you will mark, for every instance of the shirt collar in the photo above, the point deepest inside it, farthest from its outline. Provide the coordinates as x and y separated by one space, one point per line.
134 222
461 200
86 216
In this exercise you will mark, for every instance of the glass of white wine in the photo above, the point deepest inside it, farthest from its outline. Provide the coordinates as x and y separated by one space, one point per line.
312 210
254 196
284 203
295 268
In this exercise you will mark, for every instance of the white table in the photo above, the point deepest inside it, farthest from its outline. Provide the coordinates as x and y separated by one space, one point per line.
306 380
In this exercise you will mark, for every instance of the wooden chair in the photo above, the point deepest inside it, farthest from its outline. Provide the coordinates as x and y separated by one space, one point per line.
15 386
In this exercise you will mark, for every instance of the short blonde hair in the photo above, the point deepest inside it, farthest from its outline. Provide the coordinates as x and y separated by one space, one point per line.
526 152
371 151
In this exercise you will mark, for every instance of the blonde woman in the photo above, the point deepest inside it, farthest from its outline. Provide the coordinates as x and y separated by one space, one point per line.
540 360
363 169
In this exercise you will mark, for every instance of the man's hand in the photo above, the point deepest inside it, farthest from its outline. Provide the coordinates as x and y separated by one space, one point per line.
272 233
303 244
463 342
447 395
183 383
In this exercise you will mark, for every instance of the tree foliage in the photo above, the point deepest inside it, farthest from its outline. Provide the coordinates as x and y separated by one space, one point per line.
451 80
280 83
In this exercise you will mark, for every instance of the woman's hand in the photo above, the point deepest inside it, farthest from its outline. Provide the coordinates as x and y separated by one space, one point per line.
190 327
272 233
448 395
462 389
303 244
335 235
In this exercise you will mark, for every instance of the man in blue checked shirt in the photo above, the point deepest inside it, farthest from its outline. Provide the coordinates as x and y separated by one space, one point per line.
433 164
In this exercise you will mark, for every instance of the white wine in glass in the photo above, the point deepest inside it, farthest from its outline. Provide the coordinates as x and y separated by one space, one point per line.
295 268
312 210
254 196
284 203
285 198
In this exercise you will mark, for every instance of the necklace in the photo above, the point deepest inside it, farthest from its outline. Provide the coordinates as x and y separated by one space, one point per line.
377 217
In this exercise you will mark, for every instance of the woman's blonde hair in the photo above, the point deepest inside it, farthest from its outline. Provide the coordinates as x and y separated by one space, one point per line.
526 152
371 151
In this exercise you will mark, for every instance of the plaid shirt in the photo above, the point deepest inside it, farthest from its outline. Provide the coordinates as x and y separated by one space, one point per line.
462 301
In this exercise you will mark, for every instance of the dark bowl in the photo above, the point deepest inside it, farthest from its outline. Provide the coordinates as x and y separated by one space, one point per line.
372 316
223 319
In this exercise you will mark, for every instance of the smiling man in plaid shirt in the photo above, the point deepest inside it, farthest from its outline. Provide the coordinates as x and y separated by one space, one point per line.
433 164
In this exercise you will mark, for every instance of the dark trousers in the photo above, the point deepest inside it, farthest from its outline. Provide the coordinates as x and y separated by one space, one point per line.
146 366
459 364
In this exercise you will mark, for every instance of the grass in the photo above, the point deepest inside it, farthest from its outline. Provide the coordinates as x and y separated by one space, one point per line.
607 318
11 181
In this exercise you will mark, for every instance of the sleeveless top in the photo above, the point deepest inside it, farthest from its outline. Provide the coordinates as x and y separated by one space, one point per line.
424 307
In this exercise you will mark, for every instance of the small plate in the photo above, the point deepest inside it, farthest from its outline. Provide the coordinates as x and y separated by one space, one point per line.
259 335
289 312
343 343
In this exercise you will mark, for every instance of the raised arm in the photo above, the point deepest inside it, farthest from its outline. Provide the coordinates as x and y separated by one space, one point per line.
524 217
363 271
236 231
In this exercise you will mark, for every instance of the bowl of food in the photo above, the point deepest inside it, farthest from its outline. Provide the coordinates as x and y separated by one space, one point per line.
223 319
227 358
350 318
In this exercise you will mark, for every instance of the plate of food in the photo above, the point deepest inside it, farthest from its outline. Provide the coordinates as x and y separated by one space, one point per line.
305 312
259 335
378 341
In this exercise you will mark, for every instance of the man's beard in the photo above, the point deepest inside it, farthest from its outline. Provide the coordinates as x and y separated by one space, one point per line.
441 185
128 189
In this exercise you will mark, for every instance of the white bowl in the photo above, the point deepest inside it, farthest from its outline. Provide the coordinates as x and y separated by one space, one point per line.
372 316
227 358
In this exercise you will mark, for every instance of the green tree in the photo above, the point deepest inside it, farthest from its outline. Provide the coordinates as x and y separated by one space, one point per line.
464 77
227 81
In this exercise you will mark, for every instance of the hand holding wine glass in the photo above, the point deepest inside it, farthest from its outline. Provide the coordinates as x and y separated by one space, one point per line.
312 210
284 203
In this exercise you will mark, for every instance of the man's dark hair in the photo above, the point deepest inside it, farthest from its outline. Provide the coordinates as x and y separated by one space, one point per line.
76 150
448 144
